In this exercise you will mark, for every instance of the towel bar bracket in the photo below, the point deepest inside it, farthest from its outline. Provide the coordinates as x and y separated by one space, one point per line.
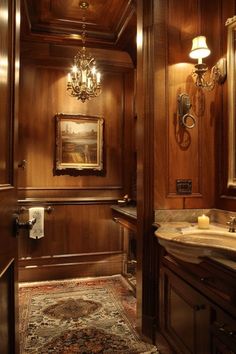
28 225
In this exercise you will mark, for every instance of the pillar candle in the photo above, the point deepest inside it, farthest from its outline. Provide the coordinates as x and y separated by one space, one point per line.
203 222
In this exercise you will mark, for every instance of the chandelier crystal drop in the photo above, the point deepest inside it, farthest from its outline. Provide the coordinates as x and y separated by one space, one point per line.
84 81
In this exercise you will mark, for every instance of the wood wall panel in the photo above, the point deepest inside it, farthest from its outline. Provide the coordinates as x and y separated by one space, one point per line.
76 267
182 143
73 229
6 91
186 153
46 94
76 236
226 197
81 222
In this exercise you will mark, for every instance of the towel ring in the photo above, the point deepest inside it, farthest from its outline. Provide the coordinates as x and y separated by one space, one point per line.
184 106
184 121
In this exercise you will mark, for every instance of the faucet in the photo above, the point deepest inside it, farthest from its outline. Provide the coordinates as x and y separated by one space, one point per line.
232 223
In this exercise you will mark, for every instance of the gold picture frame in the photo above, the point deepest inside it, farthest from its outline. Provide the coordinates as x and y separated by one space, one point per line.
79 143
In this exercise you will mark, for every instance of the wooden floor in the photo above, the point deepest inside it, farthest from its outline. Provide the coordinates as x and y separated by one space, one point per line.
162 345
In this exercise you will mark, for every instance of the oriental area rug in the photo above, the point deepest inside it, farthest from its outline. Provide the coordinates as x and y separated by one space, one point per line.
90 315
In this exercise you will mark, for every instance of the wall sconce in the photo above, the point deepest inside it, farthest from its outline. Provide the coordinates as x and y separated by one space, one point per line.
199 51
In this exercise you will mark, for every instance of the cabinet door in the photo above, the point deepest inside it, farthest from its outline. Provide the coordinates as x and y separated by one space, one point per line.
219 347
223 331
185 315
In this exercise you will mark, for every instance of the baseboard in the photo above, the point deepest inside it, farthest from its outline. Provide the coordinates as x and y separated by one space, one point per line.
70 266
148 328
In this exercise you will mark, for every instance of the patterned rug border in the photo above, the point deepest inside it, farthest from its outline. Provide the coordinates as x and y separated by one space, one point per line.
82 279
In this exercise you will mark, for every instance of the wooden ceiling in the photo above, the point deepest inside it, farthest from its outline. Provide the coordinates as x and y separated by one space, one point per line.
109 23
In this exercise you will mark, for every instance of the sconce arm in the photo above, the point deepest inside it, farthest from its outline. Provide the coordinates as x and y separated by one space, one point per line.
217 74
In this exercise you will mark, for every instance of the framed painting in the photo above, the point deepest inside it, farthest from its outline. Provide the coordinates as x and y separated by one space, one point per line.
79 143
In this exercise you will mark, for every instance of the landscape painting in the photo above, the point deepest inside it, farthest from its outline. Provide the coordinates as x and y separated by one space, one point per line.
79 142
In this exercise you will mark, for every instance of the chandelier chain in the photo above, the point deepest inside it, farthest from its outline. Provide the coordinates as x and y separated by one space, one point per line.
84 81
83 35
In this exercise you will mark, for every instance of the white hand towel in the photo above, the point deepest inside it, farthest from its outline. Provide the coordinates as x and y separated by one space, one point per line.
37 230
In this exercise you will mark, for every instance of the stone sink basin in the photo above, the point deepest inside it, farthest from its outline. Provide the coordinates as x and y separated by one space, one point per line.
191 244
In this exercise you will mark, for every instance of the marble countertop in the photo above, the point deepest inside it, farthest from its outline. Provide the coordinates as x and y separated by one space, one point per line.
127 210
170 230
195 247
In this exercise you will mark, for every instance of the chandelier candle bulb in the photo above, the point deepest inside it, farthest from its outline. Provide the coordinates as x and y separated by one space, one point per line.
98 78
89 82
203 222
93 70
74 69
83 76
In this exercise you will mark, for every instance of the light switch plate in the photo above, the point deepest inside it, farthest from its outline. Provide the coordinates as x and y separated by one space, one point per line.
184 186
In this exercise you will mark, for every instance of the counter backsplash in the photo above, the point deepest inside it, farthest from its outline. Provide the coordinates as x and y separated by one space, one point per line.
190 215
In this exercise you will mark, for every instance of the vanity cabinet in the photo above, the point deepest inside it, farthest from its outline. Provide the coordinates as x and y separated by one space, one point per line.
197 307
126 218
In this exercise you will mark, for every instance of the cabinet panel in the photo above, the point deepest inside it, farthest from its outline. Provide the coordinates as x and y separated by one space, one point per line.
185 315
221 348
223 330
197 306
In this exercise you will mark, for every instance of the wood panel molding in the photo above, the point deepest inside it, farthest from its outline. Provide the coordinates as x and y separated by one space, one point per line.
70 266
68 201
108 24
70 194
145 166
104 187
6 187
61 56
185 153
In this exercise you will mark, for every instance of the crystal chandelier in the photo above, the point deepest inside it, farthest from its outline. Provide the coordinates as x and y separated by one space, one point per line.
84 81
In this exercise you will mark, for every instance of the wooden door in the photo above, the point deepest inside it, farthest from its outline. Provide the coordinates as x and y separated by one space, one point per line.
9 75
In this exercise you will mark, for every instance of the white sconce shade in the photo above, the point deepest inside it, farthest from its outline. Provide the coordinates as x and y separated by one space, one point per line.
199 48
199 51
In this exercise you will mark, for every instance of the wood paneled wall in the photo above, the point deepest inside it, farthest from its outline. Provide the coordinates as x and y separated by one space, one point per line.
166 151
186 153
226 196
80 240
80 237
179 153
